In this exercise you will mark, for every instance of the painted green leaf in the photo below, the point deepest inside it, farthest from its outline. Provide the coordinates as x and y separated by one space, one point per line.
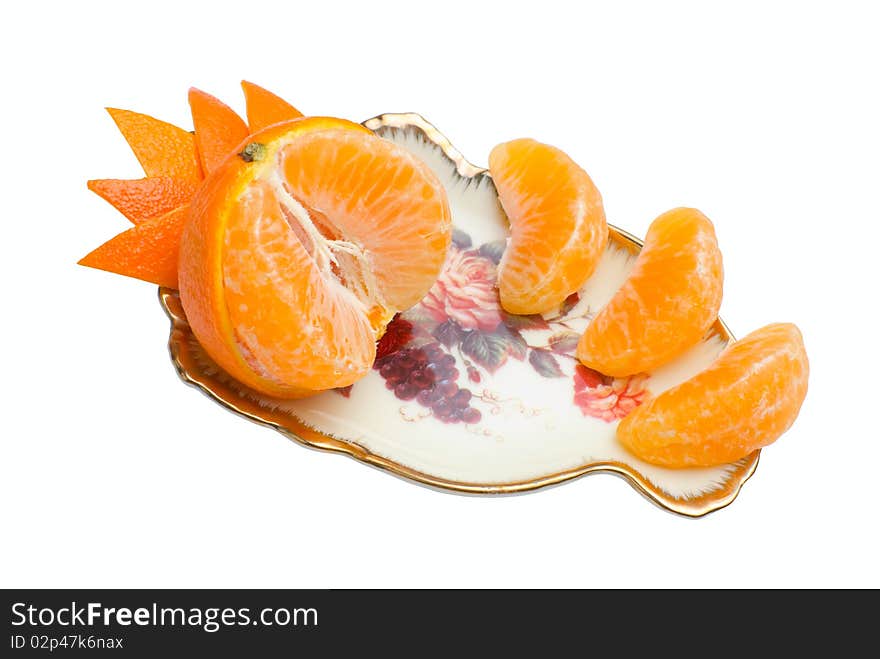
564 343
448 333
486 349
545 364
494 250
516 344
533 322
460 239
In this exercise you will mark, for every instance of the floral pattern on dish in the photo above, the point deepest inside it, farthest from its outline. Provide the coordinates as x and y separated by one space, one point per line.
606 398
444 353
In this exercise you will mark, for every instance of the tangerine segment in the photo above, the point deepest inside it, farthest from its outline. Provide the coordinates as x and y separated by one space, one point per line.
384 207
265 108
745 400
161 148
668 302
293 318
146 198
300 250
558 227
146 251
218 129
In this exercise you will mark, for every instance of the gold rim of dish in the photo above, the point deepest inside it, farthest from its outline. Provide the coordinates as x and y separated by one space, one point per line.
193 373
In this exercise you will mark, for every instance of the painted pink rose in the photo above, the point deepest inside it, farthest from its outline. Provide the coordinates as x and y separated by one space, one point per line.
606 398
465 292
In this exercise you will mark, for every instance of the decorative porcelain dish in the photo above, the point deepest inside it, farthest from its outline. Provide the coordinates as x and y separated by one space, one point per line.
529 415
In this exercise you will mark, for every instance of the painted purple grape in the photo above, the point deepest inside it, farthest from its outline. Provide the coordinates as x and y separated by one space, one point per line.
428 396
428 375
462 398
450 374
405 391
471 415
447 388
423 379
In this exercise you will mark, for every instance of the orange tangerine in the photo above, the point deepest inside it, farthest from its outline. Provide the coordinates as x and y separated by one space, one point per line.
161 148
745 400
668 302
142 251
218 129
145 198
176 162
265 108
300 249
558 230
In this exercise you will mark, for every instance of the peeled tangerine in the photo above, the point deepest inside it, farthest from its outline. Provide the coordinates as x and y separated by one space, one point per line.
745 400
558 229
300 249
176 162
668 302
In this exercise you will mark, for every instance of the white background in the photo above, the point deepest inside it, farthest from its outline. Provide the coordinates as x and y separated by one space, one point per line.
764 115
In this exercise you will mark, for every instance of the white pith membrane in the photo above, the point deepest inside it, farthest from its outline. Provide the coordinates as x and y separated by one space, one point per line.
537 431
342 288
343 264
